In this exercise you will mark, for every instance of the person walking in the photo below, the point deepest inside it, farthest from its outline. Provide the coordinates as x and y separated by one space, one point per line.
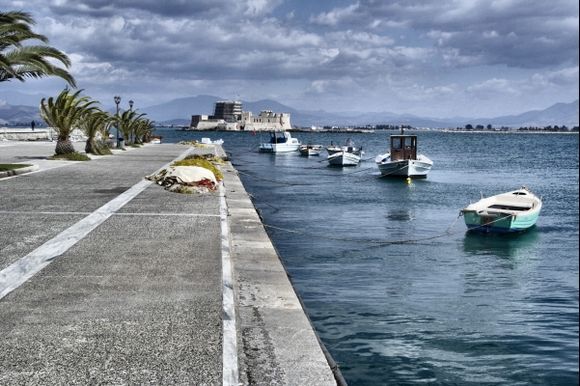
32 125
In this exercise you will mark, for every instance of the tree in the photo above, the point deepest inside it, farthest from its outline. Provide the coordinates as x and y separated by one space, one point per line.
93 123
64 114
19 61
143 130
127 123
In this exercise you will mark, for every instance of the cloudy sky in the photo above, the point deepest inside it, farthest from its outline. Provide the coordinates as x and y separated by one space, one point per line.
438 58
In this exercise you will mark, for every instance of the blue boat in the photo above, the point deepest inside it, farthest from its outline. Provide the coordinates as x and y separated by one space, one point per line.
508 212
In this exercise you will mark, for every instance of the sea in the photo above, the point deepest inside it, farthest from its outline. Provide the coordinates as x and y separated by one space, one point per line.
398 291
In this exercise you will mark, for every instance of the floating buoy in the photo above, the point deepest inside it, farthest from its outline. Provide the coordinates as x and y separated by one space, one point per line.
408 180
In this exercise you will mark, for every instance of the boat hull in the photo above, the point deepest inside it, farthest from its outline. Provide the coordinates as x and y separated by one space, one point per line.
278 147
310 151
405 168
343 158
499 222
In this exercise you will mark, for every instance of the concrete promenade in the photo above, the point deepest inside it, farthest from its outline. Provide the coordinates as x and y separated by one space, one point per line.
106 278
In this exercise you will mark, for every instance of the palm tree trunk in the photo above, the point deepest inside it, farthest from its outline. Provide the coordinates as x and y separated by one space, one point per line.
92 147
64 146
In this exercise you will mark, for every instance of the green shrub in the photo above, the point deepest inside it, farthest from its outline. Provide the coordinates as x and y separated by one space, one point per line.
6 167
76 156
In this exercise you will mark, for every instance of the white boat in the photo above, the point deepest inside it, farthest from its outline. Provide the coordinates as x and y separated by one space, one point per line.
513 211
403 160
208 141
344 158
310 150
347 155
280 144
333 149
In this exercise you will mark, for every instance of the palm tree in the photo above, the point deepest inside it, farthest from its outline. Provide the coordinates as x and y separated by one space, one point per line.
19 61
63 114
93 123
143 130
127 122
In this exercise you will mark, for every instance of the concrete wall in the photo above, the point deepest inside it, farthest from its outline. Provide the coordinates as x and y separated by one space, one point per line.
18 134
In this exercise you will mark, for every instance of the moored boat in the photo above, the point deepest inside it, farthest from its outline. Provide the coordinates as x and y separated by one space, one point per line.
402 160
310 150
280 144
347 155
513 211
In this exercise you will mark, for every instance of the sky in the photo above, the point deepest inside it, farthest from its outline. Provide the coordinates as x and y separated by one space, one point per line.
435 58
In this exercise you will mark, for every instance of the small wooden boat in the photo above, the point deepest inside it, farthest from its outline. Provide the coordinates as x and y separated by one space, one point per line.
347 155
345 158
402 160
513 211
310 150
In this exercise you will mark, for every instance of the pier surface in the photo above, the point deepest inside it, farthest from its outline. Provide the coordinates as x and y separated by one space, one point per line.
106 278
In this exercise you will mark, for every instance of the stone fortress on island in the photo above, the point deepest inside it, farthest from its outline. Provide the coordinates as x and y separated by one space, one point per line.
228 115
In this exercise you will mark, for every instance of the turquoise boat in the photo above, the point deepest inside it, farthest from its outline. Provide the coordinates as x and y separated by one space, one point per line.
509 212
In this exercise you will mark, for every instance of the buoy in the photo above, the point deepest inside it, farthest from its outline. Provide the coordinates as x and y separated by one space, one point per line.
408 180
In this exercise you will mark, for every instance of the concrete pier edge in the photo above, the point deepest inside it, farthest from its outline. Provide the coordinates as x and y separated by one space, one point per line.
277 343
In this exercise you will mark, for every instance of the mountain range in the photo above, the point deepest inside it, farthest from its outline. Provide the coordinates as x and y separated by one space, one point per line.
22 108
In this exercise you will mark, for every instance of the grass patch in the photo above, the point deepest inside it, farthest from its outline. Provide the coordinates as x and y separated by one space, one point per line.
201 162
76 156
7 167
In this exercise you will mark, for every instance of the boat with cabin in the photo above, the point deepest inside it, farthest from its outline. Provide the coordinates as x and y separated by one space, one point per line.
513 211
283 143
402 160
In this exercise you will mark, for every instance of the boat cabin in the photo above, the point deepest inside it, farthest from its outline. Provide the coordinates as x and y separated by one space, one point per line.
403 147
279 137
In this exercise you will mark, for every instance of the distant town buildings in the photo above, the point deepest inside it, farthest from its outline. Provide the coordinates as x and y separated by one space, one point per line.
228 115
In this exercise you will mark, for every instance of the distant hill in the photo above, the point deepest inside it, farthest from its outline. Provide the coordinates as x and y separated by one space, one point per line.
558 114
182 109
179 112
18 114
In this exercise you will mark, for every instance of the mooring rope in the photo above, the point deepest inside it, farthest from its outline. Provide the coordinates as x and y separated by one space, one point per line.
447 232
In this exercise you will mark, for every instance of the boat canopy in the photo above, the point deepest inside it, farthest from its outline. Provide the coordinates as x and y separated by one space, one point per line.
403 147
276 138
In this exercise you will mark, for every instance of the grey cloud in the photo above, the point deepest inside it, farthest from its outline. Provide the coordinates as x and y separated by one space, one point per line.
527 34
167 8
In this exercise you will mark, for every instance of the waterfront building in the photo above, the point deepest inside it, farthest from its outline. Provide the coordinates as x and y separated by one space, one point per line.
229 111
229 115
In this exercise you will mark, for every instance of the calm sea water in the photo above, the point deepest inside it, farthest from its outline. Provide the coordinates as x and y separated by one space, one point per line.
457 310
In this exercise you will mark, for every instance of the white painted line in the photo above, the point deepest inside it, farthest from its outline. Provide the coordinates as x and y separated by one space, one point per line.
230 371
20 271
34 213
31 212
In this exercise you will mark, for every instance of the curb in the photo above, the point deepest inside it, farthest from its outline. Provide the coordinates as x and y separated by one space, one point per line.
14 172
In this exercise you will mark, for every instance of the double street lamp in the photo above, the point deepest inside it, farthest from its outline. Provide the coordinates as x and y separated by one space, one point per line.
117 101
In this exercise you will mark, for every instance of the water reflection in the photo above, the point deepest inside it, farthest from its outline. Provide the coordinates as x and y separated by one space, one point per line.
509 245
402 215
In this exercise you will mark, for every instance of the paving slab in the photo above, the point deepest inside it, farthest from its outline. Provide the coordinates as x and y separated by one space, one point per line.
138 300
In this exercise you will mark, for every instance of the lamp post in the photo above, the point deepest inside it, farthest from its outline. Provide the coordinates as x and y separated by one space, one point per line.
131 109
117 101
